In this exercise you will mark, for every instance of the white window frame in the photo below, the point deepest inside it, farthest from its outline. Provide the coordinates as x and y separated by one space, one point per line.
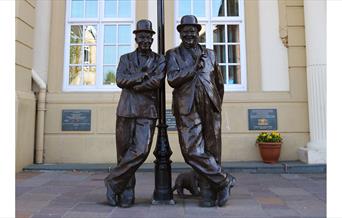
99 22
209 21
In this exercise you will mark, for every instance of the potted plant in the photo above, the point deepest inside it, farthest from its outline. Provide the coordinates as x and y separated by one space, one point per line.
269 145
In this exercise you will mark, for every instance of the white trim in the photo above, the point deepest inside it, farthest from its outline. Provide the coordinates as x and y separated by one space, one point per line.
99 22
209 21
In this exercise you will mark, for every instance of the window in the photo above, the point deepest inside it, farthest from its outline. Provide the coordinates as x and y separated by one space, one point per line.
223 31
97 32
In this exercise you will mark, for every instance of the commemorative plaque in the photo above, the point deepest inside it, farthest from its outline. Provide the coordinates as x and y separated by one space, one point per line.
170 120
262 119
76 120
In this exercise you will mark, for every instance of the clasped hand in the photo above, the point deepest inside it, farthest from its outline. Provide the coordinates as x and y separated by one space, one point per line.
200 64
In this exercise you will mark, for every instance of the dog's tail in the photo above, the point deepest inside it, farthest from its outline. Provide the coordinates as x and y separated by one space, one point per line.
174 188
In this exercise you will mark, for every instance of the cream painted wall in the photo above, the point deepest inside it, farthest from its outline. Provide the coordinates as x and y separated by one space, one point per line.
25 102
98 145
152 16
41 38
274 57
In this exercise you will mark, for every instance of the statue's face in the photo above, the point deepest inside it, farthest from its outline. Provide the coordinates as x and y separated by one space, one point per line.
144 40
189 35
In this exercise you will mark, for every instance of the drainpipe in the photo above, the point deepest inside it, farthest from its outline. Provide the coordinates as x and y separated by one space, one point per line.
40 69
39 146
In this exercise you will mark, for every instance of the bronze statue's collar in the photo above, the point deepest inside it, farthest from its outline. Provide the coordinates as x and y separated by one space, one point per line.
149 55
183 51
146 54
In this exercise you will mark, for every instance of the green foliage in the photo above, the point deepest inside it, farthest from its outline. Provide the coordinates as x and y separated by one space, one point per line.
110 78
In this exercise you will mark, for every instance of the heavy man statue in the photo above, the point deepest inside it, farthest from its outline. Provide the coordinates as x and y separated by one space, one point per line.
139 75
197 99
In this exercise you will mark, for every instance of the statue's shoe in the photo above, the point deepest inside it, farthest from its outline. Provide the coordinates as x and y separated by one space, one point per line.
206 203
224 194
111 195
208 195
126 198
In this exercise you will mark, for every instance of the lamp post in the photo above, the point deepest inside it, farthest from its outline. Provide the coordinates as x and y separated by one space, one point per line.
162 170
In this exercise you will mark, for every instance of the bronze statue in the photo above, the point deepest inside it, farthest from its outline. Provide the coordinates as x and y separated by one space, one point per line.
197 99
139 74
187 180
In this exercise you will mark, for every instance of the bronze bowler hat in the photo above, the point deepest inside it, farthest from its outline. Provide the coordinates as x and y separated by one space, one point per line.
144 26
189 20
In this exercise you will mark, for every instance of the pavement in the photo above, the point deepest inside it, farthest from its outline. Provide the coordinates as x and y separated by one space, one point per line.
81 194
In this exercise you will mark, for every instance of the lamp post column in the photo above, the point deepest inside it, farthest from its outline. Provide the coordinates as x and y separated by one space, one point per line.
162 191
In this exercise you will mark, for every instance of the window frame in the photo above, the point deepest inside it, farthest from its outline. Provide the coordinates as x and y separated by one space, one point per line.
209 21
100 21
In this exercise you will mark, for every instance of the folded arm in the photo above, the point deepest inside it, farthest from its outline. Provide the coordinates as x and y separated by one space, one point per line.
155 76
125 78
176 74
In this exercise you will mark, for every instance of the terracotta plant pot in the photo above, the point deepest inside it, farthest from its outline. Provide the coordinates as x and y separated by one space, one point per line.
269 151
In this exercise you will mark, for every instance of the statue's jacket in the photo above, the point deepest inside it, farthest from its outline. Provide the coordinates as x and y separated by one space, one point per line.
182 76
139 94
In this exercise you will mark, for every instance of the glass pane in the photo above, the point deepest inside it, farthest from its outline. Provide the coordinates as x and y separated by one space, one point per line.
75 54
223 70
233 53
77 7
220 51
90 54
125 34
110 8
232 7
184 7
234 75
124 50
76 34
109 77
124 8
202 35
109 55
74 75
90 35
218 8
89 75
219 33
110 34
233 33
199 8
91 8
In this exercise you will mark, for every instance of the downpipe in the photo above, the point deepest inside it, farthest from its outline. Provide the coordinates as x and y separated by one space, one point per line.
41 102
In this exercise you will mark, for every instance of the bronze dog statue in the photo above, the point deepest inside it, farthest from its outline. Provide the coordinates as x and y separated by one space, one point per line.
186 180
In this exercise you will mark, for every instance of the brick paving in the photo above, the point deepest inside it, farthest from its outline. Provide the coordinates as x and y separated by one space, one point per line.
82 195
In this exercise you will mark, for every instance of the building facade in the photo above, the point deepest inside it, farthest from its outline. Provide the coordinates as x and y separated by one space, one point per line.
270 53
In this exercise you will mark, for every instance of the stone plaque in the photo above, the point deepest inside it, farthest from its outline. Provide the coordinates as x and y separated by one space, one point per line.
170 120
76 120
262 119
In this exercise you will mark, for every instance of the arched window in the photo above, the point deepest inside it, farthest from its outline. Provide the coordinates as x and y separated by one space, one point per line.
223 30
97 33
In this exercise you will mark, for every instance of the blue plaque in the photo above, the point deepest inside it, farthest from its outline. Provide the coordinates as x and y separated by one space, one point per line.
76 120
170 120
262 119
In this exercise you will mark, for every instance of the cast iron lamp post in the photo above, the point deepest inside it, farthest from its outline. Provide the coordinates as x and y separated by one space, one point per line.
162 171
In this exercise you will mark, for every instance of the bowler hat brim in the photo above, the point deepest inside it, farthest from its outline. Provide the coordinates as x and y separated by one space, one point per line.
148 31
180 26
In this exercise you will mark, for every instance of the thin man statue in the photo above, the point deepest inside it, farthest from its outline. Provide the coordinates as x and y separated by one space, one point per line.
139 75
197 100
